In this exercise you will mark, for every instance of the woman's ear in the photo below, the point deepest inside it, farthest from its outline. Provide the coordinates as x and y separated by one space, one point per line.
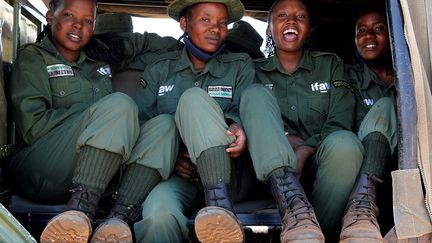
183 23
49 17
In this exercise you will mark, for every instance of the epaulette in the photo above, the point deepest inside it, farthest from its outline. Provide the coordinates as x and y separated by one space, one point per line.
260 60
36 45
231 57
323 54
172 55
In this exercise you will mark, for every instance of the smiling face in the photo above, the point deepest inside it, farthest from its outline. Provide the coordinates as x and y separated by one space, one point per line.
206 25
72 26
372 39
289 25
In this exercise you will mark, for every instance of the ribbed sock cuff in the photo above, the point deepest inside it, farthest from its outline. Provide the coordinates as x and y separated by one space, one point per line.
95 168
377 154
214 166
137 182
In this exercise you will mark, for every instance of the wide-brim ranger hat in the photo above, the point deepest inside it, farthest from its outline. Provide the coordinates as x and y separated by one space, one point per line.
235 8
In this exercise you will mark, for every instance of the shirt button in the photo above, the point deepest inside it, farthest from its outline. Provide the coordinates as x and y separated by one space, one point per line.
293 107
62 93
196 84
96 90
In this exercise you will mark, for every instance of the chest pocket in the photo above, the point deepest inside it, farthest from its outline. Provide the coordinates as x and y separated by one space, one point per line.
65 92
224 103
317 111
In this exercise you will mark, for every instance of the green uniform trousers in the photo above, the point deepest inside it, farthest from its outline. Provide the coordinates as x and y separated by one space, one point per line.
261 118
201 124
334 166
43 171
381 118
164 212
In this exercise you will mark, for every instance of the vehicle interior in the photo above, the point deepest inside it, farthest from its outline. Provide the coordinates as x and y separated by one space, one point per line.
332 31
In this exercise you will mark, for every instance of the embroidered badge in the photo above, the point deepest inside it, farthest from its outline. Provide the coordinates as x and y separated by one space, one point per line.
143 83
341 83
59 70
320 87
269 86
220 91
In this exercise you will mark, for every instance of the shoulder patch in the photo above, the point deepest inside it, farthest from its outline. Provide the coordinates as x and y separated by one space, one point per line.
342 83
143 83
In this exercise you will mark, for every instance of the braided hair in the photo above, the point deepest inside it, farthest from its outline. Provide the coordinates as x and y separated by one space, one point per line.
107 47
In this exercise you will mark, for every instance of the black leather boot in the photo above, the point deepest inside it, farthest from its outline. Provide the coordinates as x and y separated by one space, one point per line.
360 222
116 227
217 222
73 225
298 217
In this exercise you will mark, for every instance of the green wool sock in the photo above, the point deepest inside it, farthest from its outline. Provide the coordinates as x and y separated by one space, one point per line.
137 182
95 168
214 166
377 154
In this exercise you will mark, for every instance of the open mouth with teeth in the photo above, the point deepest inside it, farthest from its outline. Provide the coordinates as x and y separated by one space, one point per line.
290 34
370 46
74 37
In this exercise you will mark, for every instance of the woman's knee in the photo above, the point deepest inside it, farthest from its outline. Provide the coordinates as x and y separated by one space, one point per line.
119 102
343 142
254 92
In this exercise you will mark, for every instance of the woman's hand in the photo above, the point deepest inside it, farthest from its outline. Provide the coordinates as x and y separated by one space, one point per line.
303 153
185 168
239 145
295 141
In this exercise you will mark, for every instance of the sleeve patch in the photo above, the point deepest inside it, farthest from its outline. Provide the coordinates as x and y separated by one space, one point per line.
143 83
341 83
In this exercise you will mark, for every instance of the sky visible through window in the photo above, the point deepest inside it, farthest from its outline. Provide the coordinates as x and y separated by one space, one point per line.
170 27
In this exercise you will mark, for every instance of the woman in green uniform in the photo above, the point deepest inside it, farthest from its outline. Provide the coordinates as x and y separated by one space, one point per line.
376 123
76 134
316 103
199 87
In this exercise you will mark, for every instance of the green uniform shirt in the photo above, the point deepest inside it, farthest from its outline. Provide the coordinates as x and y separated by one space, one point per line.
315 100
164 81
368 88
47 90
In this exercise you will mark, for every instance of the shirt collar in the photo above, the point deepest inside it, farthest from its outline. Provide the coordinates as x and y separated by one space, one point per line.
211 67
273 63
370 76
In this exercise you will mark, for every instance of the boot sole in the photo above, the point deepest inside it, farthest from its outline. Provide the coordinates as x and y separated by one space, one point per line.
361 240
70 226
218 225
113 230
310 241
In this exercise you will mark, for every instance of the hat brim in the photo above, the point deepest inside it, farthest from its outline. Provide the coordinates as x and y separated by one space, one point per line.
235 8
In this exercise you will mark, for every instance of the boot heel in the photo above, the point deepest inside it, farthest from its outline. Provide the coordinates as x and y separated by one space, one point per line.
216 224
